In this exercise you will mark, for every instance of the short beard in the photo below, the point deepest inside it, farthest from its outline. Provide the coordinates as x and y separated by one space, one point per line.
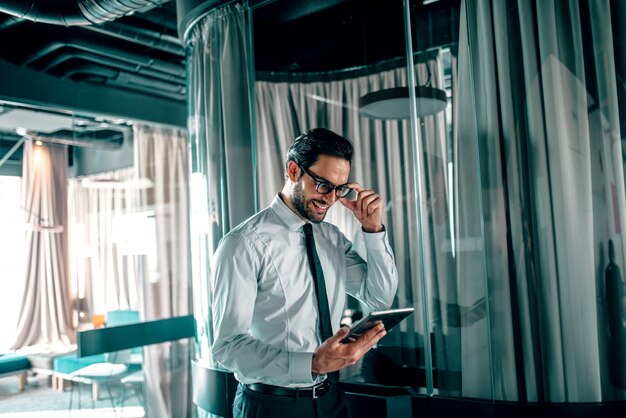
299 203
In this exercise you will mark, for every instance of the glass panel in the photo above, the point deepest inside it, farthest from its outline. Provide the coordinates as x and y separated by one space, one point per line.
109 233
545 85
453 288
222 182
128 242
317 80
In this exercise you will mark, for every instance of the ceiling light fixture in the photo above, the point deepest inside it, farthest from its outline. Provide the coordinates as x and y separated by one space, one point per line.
393 103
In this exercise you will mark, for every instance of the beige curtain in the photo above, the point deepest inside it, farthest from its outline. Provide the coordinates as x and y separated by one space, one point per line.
45 317
106 241
162 159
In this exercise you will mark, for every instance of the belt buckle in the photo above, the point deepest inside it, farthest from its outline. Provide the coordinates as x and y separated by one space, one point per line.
315 395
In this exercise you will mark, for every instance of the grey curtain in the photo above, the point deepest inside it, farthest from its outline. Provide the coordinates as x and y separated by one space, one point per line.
487 353
223 180
540 102
45 317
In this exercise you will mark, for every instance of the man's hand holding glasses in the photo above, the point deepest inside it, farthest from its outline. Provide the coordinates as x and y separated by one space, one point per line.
367 208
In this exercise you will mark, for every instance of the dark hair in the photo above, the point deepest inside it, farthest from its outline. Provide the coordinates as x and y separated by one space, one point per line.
306 148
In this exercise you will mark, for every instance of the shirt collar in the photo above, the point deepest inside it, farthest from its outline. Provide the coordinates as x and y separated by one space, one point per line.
289 217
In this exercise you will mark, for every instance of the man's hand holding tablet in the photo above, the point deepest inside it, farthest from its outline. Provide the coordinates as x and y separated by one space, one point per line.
389 318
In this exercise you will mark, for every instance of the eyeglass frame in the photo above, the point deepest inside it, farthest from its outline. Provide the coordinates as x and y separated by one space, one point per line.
319 183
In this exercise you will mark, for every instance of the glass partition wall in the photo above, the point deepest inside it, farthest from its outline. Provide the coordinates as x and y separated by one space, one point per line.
405 152
544 84
360 52
502 172
454 300
128 253
100 235
318 77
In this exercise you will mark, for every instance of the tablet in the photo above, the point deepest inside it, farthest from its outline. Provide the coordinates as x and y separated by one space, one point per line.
389 317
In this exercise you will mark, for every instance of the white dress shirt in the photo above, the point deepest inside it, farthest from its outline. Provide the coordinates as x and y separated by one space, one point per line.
265 321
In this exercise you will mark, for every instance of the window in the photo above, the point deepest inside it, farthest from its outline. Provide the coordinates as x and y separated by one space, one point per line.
12 250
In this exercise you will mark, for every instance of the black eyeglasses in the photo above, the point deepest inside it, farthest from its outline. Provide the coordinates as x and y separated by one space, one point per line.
324 187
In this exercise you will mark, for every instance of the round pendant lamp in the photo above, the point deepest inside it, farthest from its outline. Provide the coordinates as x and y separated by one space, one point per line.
393 103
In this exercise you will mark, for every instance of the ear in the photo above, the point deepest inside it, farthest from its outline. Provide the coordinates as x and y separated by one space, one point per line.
293 171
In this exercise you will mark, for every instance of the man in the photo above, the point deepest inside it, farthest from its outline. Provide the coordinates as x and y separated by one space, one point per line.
280 280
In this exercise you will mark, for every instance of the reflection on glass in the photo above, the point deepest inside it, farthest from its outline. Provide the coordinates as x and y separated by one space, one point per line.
128 249
546 131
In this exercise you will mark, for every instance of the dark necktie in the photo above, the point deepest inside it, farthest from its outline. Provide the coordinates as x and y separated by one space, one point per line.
320 290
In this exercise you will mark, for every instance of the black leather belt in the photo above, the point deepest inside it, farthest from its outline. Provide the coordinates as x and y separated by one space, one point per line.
306 392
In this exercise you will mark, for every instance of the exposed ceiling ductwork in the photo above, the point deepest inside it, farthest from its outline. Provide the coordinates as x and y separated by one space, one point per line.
134 45
138 53
141 61
74 12
18 123
124 58
147 37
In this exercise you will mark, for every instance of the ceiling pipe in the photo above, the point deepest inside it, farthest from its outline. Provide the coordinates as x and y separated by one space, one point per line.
75 142
74 12
141 60
124 77
138 80
91 69
147 90
125 80
141 36
69 54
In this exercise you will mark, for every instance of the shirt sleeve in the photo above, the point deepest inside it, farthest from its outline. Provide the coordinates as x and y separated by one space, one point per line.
236 269
373 281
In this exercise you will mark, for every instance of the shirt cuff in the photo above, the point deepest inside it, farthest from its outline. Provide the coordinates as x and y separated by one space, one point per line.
300 368
375 240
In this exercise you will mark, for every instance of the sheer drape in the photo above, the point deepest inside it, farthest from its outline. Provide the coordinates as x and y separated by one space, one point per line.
162 159
551 175
45 317
106 251
129 232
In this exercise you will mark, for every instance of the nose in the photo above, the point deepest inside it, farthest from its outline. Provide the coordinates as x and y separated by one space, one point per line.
329 198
